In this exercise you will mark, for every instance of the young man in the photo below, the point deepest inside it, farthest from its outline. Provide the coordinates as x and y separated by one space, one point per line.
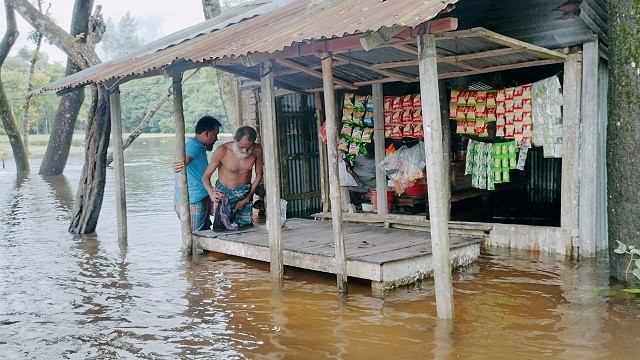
235 162
196 162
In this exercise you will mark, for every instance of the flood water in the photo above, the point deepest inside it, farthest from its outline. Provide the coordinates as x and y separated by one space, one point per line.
91 297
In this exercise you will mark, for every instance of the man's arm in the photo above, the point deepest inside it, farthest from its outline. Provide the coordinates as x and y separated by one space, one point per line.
178 165
216 158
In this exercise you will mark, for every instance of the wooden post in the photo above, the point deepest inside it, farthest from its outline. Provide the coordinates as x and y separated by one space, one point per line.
185 213
322 150
378 143
437 175
589 150
118 160
271 168
569 189
334 180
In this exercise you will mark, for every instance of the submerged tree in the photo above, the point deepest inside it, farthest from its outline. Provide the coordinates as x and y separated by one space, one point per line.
623 128
8 120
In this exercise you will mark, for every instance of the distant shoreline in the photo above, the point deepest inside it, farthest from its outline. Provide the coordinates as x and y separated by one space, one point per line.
38 143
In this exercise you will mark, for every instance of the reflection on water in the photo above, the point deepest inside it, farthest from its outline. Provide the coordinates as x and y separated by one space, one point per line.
70 296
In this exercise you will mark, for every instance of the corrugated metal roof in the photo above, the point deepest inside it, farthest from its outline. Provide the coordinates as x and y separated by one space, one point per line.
266 29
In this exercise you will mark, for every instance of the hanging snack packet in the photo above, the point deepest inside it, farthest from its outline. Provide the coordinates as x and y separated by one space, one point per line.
367 135
388 103
508 93
462 98
346 131
418 130
481 96
491 98
368 107
388 128
472 98
407 129
396 132
397 103
368 119
460 128
356 135
343 145
407 102
491 114
455 97
354 149
479 112
347 108
500 95
417 101
453 112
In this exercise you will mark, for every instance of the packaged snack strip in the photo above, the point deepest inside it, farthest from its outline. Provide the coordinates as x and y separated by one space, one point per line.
512 149
517 128
497 175
471 153
354 149
357 118
461 112
343 144
407 116
356 135
508 93
518 138
417 101
471 99
509 118
418 130
526 90
470 112
396 132
387 118
500 95
481 96
347 117
506 176
509 131
368 107
453 111
480 111
387 130
358 103
470 127
407 101
346 131
526 117
479 126
508 106
417 115
491 98
396 117
500 108
454 100
526 130
491 114
517 92
368 119
517 104
505 161
388 103
513 163
497 148
462 98
485 130
460 128
499 130
397 103
407 130
526 104
348 100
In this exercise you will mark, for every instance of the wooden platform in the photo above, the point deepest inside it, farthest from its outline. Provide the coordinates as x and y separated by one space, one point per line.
387 257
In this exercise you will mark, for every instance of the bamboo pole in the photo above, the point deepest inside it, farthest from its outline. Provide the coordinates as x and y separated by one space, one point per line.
378 143
118 157
185 213
271 168
322 150
437 175
334 180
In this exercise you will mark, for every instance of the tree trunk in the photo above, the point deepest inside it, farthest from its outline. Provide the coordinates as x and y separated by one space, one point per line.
147 118
55 158
8 120
90 194
623 141
227 83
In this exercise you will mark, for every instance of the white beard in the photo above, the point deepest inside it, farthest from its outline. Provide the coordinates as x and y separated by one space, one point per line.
241 155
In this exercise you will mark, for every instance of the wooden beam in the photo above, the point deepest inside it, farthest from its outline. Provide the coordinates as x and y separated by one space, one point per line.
310 72
478 55
437 175
390 73
271 170
185 213
395 64
498 68
378 143
376 38
569 189
589 150
118 161
406 48
334 181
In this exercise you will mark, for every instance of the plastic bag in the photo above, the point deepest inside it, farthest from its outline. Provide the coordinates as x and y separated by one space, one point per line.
405 166
346 179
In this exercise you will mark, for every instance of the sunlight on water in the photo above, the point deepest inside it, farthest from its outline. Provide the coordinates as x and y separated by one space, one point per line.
79 297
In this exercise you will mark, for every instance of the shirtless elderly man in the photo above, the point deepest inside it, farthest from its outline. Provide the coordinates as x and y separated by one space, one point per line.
235 162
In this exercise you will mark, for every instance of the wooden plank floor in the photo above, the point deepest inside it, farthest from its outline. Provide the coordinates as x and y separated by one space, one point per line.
388 257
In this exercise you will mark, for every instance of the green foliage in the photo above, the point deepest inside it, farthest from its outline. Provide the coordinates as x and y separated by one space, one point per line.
122 38
631 251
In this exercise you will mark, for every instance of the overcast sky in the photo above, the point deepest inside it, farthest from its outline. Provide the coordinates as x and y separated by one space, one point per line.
156 18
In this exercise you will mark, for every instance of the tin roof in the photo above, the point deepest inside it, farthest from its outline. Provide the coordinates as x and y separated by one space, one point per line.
294 32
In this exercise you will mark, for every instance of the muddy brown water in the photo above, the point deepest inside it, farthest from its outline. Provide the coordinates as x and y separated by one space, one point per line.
91 297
